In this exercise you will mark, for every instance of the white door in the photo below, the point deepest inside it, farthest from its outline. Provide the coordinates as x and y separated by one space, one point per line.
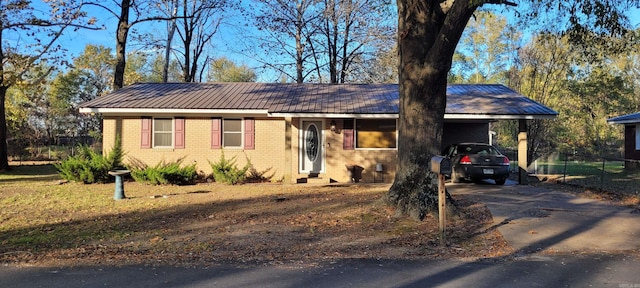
311 147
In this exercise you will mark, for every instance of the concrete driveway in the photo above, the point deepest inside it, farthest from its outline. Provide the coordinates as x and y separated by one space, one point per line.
534 219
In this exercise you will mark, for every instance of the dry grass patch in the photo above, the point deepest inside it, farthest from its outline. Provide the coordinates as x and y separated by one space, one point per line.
202 224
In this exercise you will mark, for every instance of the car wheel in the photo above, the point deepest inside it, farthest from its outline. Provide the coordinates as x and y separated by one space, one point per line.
454 176
501 181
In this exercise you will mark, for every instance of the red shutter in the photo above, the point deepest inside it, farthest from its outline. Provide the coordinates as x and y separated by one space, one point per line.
249 134
179 133
348 139
145 133
216 133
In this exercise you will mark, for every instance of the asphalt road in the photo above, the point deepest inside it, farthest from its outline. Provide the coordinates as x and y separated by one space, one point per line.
620 271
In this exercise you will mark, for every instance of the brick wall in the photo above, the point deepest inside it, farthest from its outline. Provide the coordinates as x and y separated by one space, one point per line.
337 159
269 151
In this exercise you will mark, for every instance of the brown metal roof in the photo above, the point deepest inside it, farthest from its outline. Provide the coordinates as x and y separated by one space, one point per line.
492 99
311 98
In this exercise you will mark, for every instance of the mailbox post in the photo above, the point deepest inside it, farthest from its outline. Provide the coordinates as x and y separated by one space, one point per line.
441 166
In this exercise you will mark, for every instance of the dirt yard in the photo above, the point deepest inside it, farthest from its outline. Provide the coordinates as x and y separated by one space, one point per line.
46 223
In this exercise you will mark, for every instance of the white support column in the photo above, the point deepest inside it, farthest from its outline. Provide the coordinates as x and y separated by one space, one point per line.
522 152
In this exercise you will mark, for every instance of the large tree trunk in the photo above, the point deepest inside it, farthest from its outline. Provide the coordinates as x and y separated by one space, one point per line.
121 45
4 146
4 157
427 36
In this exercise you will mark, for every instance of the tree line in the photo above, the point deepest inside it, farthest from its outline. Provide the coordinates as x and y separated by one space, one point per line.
585 84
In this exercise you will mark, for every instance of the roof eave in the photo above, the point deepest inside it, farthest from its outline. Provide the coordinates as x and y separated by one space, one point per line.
630 121
498 117
336 115
260 112
156 111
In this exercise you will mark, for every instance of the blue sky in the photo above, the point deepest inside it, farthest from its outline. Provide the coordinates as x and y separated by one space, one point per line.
226 42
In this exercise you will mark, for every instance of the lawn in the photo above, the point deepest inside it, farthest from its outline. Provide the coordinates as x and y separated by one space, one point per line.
610 177
47 222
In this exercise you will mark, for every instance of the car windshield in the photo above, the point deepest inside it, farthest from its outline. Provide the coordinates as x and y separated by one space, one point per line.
476 149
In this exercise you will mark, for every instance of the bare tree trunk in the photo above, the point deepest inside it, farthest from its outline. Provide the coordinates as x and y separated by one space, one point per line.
428 35
167 52
299 56
121 45
4 147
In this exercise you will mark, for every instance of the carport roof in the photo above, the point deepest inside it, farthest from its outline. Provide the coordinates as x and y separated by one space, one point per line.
632 118
477 101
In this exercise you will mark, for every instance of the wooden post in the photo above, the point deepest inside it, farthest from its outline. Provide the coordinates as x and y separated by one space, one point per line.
441 208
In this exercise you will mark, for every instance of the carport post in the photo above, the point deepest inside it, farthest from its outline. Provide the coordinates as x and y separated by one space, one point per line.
522 152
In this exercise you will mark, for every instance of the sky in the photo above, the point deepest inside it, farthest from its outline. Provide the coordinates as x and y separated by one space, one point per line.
226 42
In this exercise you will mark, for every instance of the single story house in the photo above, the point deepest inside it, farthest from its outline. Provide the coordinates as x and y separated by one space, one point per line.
631 124
301 132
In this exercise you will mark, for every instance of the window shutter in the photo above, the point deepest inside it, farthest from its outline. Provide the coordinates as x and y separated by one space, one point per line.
145 133
249 134
179 133
216 133
347 143
348 140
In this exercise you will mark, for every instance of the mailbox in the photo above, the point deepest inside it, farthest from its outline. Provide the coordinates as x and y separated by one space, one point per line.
440 165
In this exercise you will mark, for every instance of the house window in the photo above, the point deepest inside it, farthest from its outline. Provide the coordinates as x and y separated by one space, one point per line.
162 132
376 133
232 133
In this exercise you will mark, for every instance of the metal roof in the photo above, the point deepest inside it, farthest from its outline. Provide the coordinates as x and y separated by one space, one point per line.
633 118
281 99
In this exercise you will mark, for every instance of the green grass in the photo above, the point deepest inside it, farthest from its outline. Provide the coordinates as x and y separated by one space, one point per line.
29 173
590 174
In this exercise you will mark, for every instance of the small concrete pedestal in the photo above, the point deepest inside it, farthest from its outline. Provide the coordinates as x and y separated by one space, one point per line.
119 190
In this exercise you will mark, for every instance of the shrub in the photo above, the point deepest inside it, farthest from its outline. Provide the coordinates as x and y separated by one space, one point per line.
91 167
226 171
164 173
255 176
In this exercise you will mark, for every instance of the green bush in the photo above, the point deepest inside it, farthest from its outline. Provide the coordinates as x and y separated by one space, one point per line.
90 167
164 173
226 171
255 176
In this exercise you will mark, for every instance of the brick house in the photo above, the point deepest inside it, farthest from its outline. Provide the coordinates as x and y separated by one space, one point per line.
631 124
302 132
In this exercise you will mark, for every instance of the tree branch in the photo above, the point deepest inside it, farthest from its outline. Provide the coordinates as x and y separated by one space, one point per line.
501 2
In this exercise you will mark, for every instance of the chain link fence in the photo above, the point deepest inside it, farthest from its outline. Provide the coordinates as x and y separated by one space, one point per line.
61 149
600 173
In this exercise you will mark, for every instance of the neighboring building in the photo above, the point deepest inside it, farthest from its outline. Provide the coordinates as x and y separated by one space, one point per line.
631 124
299 131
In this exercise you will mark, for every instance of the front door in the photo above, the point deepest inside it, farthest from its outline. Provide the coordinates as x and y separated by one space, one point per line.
311 147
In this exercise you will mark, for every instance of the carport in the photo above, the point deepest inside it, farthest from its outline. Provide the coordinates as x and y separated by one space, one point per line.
631 124
471 108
